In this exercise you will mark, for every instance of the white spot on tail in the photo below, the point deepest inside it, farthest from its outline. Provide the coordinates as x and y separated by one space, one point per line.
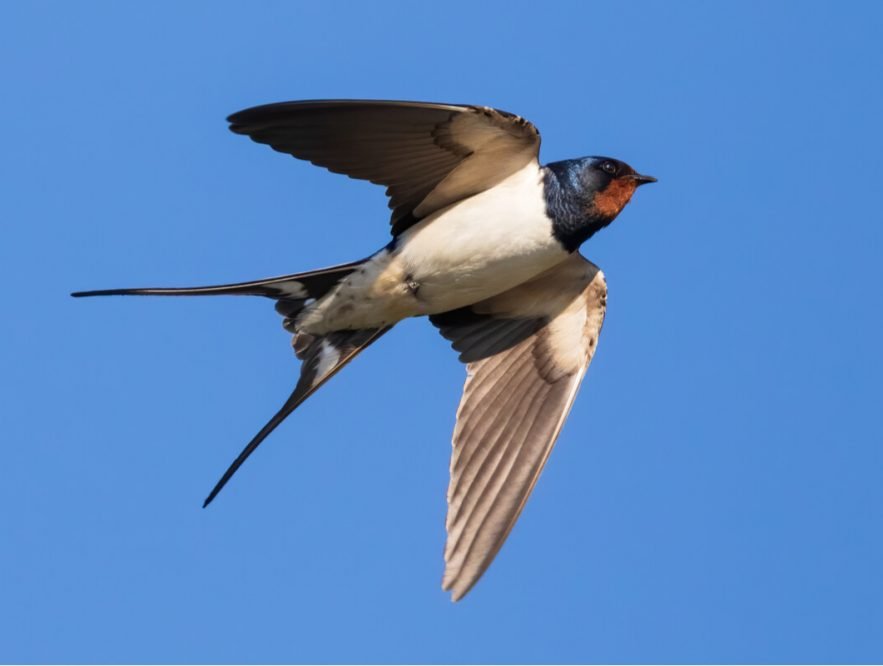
291 289
328 358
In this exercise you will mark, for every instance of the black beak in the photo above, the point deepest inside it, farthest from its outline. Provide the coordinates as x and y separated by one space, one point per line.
643 180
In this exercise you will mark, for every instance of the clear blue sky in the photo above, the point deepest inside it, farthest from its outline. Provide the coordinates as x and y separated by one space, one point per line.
716 494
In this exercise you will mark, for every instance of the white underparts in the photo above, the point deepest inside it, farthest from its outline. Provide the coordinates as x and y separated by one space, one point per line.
474 249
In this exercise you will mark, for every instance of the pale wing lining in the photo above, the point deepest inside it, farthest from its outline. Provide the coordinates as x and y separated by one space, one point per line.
513 407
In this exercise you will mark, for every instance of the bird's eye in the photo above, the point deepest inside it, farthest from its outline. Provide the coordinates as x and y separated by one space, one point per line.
609 168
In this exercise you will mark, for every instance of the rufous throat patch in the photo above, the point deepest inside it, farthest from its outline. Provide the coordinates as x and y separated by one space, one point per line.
609 201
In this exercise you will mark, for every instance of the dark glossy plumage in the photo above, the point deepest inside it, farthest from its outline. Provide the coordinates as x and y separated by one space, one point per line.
409 147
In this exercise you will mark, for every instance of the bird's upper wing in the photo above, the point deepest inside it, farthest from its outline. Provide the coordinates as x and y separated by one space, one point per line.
427 155
527 351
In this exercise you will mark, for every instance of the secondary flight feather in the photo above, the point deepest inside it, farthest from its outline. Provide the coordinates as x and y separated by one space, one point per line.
485 244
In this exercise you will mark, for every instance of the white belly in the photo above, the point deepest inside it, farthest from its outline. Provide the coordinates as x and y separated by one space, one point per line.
462 254
484 245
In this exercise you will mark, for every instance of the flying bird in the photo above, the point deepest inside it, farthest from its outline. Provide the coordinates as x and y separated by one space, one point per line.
485 243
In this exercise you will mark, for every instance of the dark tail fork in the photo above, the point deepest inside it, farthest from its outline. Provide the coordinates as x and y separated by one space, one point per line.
312 284
322 356
332 351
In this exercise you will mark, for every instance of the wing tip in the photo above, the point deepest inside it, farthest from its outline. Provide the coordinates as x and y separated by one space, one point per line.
454 583
457 592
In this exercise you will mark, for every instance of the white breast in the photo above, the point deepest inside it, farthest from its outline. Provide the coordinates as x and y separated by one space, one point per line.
469 251
483 245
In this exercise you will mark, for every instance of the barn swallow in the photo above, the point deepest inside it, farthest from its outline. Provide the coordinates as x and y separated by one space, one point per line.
485 243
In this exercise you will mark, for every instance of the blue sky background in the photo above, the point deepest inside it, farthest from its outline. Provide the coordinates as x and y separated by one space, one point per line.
716 494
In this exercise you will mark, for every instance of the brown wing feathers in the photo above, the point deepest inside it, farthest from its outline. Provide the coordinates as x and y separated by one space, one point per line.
410 147
527 351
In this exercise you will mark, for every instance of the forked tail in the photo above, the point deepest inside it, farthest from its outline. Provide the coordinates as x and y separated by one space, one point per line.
322 356
288 288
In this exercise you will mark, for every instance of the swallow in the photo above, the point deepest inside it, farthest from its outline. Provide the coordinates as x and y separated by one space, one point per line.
485 244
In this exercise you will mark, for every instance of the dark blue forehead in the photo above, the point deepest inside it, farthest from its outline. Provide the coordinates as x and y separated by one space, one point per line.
577 170
621 167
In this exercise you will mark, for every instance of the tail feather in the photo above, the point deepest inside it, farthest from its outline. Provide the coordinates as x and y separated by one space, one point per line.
322 356
312 284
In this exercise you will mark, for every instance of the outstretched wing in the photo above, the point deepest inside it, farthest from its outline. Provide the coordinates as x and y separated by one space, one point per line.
427 155
526 352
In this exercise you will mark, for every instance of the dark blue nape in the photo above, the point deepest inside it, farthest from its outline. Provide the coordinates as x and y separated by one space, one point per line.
570 187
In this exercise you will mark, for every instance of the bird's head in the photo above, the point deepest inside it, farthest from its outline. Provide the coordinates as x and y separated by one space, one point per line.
584 195
610 185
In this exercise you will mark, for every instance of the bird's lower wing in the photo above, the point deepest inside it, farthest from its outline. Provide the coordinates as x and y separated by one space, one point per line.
526 352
